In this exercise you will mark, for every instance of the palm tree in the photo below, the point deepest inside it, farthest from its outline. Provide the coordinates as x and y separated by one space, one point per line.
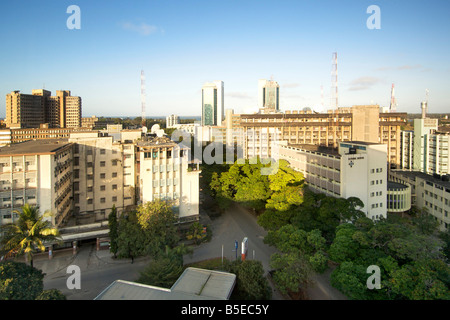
29 233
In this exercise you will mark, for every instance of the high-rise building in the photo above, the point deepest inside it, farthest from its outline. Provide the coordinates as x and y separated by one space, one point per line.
426 148
268 95
172 120
30 111
24 110
213 111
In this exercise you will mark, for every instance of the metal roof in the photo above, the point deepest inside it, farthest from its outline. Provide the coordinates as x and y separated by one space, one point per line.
193 284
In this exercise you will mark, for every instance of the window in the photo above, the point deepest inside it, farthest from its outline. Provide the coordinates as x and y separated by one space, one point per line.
102 200
114 162
102 163
102 188
114 186
114 174
89 201
114 199
102 151
102 175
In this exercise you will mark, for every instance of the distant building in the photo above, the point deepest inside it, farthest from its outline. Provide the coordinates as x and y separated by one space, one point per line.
89 122
358 123
30 111
213 111
426 149
268 95
172 120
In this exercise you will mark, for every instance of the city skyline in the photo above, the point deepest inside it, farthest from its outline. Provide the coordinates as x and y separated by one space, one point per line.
183 45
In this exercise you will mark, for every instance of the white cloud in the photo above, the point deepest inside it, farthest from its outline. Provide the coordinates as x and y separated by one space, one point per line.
363 83
290 85
143 28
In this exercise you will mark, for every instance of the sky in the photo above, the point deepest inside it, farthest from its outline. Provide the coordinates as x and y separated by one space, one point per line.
181 45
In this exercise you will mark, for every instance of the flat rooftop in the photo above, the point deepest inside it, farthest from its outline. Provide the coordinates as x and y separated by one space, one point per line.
45 146
428 177
193 284
315 148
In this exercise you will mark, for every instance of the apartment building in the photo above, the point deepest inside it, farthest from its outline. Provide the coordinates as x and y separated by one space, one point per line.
24 110
355 169
427 191
30 111
426 149
103 175
38 173
164 172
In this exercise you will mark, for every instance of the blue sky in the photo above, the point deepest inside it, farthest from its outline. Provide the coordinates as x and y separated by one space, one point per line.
180 45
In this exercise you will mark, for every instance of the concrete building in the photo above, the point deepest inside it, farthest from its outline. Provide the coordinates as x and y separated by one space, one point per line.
355 169
89 122
268 95
103 175
38 173
213 110
172 120
427 191
426 149
30 111
24 110
325 129
163 171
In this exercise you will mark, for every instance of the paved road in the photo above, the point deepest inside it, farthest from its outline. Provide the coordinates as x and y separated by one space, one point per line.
233 226
98 269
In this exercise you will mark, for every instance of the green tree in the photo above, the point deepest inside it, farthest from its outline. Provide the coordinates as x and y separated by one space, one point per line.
19 281
195 233
51 294
250 281
165 268
344 247
28 234
292 271
157 220
422 280
350 279
131 240
113 230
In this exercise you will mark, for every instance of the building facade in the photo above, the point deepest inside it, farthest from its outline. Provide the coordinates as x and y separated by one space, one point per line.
355 169
30 111
163 172
325 129
268 95
38 173
213 111
427 191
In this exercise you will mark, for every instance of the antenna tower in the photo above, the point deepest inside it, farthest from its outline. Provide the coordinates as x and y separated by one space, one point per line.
393 106
334 83
143 98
